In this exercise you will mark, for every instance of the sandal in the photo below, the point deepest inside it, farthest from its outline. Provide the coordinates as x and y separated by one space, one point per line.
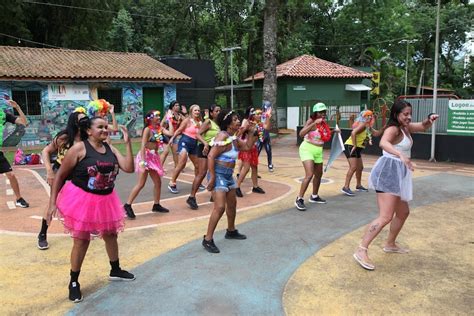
362 263
396 250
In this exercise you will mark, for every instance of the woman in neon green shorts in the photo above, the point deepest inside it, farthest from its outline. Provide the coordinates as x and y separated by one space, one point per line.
315 132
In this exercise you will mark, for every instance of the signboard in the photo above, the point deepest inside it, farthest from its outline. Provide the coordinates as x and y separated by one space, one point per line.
461 117
68 92
375 83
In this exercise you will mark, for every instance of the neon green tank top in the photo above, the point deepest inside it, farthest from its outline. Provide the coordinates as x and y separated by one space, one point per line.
211 132
360 139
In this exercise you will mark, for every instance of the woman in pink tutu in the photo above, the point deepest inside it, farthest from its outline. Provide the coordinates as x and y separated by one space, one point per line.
88 204
148 162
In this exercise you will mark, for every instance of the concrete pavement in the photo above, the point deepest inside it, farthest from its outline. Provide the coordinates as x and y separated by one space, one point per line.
293 262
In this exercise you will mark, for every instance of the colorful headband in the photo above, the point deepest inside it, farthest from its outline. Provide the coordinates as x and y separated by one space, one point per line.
153 115
227 115
79 109
97 108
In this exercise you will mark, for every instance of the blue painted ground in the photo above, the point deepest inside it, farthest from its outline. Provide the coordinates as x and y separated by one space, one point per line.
248 277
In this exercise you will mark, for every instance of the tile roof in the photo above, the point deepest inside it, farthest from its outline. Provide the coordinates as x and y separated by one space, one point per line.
24 63
307 66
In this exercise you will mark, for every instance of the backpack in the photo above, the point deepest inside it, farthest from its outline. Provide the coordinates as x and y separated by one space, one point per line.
19 158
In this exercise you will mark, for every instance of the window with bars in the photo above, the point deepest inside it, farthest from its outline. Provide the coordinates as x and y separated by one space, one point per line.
29 101
113 96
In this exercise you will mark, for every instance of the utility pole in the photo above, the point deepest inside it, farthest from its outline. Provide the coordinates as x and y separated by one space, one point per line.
231 49
435 85
419 89
406 62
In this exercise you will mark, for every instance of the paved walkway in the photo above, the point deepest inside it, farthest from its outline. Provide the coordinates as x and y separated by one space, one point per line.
293 262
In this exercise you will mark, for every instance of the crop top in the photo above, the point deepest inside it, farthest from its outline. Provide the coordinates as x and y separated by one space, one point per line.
156 135
192 129
404 146
229 156
314 137
96 172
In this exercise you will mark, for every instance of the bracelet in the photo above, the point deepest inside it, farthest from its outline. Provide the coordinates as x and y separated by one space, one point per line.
429 115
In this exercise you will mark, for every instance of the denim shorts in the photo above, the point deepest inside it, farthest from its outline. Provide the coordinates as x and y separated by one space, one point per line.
224 178
176 140
187 144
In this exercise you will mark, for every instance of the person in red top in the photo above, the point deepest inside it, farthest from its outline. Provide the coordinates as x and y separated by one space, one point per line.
5 166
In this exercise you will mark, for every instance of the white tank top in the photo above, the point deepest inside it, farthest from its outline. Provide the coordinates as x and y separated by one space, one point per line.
404 147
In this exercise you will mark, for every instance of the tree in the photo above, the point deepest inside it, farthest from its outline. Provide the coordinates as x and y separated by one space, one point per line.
269 59
121 35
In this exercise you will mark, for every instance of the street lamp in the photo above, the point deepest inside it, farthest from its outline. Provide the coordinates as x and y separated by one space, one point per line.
406 62
231 49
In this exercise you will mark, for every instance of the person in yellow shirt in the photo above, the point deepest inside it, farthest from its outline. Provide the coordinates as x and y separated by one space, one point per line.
361 135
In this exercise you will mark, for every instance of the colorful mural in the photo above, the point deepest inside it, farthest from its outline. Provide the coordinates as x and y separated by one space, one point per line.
42 128
169 92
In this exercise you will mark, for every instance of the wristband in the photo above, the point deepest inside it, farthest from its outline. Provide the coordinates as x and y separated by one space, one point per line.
429 115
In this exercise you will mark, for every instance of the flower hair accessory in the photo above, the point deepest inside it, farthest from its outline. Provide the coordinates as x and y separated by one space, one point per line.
97 108
80 109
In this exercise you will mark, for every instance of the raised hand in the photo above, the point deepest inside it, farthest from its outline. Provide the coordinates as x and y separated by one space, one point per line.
125 134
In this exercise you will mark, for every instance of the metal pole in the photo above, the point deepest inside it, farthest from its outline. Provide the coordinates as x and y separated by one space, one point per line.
435 85
406 71
231 84
231 49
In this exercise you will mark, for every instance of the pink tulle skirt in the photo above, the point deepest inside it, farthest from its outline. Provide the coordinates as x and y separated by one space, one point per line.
152 158
86 215
250 156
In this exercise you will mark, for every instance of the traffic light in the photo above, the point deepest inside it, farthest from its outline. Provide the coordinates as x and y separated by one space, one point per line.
375 83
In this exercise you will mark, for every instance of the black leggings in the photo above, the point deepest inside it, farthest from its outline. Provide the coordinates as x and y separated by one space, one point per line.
268 148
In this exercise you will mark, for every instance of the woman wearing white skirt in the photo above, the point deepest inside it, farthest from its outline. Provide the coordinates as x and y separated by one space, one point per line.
391 178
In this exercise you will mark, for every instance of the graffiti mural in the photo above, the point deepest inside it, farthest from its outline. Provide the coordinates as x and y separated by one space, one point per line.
169 94
54 115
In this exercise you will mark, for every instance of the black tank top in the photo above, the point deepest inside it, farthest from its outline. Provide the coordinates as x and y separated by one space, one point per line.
96 173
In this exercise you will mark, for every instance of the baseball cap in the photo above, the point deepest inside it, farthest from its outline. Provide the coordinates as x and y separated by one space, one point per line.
318 107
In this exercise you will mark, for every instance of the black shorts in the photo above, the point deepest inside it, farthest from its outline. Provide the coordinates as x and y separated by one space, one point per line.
356 154
199 151
4 164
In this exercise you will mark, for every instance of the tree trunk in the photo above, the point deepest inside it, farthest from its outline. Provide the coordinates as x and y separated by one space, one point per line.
269 58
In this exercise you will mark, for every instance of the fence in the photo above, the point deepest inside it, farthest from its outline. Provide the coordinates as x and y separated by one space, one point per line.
422 106
337 110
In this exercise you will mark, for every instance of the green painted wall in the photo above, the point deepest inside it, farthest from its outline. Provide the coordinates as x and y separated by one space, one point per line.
290 93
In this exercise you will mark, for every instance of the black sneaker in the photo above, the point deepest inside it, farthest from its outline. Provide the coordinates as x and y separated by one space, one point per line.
210 246
316 199
202 187
173 188
238 192
121 275
75 294
42 242
159 208
192 203
299 203
361 189
258 190
234 235
347 191
22 203
270 168
129 211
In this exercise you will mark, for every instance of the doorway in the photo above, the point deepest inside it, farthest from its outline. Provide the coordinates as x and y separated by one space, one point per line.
153 100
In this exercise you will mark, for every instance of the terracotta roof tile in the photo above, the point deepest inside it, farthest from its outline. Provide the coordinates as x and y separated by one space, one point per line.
307 66
23 63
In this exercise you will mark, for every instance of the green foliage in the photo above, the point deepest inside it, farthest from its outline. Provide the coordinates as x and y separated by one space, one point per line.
352 33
